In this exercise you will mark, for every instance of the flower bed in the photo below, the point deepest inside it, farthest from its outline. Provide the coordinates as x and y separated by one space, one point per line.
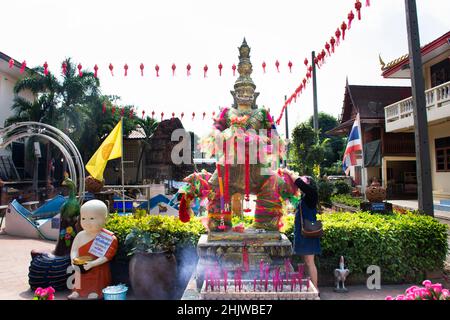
404 246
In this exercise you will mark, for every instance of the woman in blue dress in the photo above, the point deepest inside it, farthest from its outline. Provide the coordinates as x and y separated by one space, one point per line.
307 248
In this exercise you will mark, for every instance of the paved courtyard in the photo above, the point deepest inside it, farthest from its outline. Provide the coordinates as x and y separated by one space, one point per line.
15 260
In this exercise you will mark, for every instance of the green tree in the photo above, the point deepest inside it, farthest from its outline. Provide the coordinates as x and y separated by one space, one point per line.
335 147
306 151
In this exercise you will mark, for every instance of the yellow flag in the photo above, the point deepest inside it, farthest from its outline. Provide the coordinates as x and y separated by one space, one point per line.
110 149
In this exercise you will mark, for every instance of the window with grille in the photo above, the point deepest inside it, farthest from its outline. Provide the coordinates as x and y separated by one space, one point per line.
442 146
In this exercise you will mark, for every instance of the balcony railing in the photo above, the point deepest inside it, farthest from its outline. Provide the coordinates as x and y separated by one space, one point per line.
400 114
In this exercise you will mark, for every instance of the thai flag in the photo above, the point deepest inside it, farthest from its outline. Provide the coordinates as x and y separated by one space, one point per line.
353 144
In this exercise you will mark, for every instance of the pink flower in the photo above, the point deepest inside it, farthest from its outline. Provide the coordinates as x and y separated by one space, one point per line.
389 298
445 292
412 289
426 283
50 290
437 287
400 297
38 291
44 292
51 296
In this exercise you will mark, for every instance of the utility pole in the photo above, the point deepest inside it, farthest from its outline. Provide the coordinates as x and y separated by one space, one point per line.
287 132
424 184
314 85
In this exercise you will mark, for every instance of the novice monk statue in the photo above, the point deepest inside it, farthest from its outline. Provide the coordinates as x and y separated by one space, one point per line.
91 252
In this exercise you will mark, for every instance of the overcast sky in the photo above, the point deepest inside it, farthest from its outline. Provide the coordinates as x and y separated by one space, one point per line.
209 32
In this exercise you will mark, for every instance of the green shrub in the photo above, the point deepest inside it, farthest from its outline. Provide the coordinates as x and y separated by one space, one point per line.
346 199
341 187
404 246
325 190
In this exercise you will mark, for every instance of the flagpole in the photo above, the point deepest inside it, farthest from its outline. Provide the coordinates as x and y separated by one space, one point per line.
363 171
123 174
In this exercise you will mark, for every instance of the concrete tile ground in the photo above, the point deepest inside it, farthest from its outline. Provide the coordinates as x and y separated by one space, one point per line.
15 259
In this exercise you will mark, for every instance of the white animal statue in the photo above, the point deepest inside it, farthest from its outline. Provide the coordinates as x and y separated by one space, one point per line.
340 276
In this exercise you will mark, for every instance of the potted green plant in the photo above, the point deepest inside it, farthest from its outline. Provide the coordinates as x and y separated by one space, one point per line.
153 266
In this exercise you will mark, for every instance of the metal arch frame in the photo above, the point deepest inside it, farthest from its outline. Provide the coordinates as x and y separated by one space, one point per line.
58 138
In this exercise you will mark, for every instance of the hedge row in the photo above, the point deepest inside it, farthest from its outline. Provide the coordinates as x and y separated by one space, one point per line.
404 246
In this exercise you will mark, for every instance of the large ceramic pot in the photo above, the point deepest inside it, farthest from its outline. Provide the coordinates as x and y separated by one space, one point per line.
375 192
153 275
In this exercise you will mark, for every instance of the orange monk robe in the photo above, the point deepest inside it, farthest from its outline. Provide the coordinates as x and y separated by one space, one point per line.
98 277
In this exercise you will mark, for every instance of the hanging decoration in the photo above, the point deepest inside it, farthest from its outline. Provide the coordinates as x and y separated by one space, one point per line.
277 64
157 70
45 68
264 66
234 70
350 17
111 68
305 62
143 114
95 71
11 63
23 66
142 69
188 68
220 66
338 36
173 115
213 114
358 9
205 70
153 114
162 116
80 73
332 43
182 115
64 68
125 67
290 66
367 3
343 28
327 46
173 69
193 115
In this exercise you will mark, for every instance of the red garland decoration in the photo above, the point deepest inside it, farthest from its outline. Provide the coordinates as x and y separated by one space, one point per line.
323 54
45 68
327 46
310 68
182 115
367 3
205 70
308 75
162 116
95 71
111 68
153 114
193 115
290 66
143 113
188 70
316 62
23 66
157 70
332 42
264 66
234 70
142 69
343 28
304 82
80 73
103 107
358 6
126 69
11 63
204 115
247 180
173 69
338 36
277 64
173 115
220 66
213 114
350 17
305 62
64 68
